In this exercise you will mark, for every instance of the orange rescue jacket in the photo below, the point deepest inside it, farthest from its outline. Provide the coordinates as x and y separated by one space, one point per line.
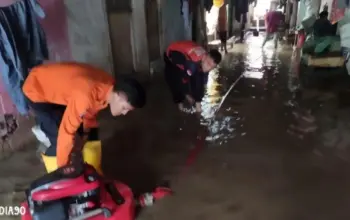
80 87
190 49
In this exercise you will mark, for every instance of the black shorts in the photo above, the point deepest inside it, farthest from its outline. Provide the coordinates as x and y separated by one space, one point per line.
223 36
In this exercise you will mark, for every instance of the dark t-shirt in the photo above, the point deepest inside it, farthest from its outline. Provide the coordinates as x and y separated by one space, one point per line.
323 27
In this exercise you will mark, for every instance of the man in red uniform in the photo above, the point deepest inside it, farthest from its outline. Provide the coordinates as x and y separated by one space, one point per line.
65 98
186 71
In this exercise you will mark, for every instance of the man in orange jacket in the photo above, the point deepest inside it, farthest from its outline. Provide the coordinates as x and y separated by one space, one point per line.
65 98
186 71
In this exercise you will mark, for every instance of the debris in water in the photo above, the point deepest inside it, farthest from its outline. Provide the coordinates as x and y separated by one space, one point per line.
212 138
290 103
243 134
306 116
293 133
189 110
304 129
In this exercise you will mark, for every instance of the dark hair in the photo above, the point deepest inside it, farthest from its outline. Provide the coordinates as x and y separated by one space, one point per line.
324 14
133 90
215 55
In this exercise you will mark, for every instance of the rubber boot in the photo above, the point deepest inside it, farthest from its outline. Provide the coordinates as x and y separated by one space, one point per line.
92 154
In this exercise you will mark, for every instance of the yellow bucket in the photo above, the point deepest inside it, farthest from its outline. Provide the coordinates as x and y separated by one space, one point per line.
92 154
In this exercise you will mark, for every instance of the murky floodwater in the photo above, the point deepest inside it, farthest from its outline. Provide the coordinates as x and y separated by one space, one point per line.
253 73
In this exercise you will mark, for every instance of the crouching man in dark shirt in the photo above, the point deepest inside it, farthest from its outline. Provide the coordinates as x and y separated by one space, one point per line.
186 71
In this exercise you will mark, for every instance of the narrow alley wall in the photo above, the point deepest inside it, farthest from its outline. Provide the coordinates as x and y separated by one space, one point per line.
172 22
139 36
56 30
88 32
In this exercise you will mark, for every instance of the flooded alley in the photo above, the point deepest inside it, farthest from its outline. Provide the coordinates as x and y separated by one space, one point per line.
237 161
251 168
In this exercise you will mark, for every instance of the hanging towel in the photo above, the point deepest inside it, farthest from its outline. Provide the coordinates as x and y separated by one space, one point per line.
22 47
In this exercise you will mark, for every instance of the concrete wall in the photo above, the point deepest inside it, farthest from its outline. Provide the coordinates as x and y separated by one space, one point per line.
88 32
56 30
153 31
128 33
120 32
139 40
172 23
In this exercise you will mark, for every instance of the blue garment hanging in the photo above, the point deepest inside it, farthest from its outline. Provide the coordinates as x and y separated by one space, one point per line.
22 47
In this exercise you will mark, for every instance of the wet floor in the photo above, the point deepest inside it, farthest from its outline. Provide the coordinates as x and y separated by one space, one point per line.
249 168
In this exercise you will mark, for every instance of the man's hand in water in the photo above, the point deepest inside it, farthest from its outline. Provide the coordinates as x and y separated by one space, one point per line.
190 99
198 107
181 107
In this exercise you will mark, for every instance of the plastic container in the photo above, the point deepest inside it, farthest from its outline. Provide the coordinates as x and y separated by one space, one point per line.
92 154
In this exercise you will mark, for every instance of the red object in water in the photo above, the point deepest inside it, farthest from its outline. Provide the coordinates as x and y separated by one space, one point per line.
124 210
199 145
148 199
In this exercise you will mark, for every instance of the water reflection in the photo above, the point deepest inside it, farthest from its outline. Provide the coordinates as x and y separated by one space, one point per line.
253 75
212 98
221 125
258 68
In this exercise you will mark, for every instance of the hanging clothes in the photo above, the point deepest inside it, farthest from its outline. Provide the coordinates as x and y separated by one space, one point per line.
22 47
241 10
208 4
